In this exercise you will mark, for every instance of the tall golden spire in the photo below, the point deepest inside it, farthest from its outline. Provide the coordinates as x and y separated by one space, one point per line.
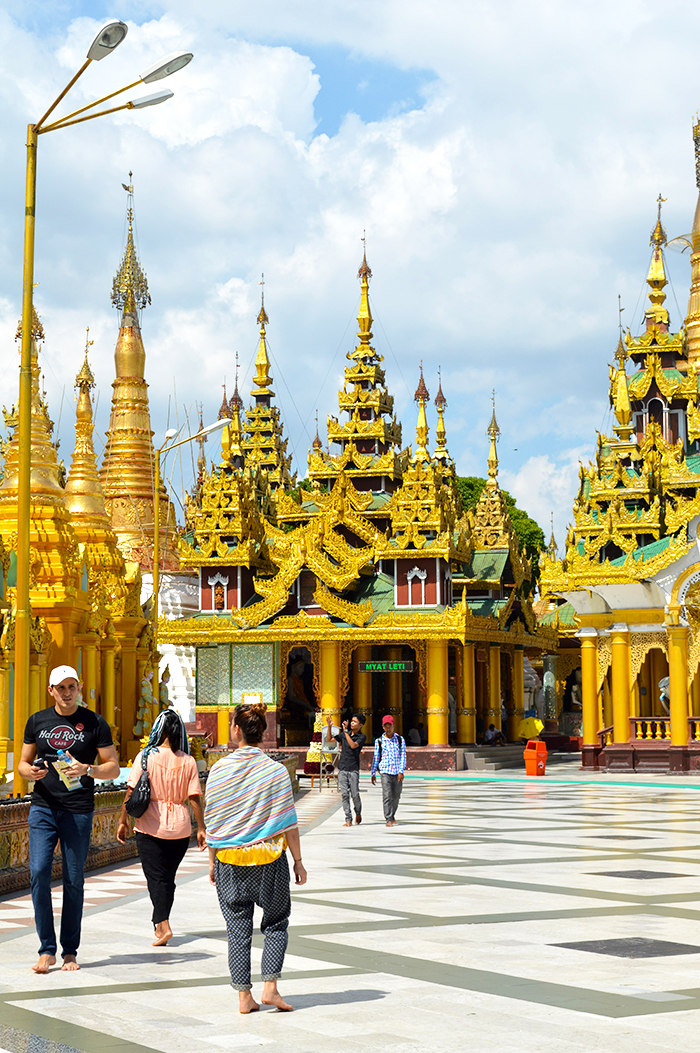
262 444
364 317
494 433
656 278
127 471
421 397
85 500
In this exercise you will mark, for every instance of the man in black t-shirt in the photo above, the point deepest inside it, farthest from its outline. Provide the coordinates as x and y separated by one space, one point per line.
60 745
351 742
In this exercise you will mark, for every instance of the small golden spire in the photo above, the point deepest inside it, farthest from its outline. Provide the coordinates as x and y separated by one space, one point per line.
130 288
656 278
421 397
552 548
85 379
317 444
37 327
494 433
201 459
441 453
262 378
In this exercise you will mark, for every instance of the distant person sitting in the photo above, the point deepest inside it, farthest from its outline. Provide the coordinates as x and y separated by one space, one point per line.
494 737
413 737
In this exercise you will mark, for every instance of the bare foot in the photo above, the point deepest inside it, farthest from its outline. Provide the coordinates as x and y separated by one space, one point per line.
347 824
358 819
271 996
389 822
163 933
70 965
246 1002
44 964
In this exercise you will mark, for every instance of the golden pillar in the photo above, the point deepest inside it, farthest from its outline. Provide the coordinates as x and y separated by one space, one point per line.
36 702
517 713
5 742
438 709
394 689
108 648
493 713
620 646
128 695
678 683
362 687
329 680
223 725
466 702
607 703
695 695
589 685
88 668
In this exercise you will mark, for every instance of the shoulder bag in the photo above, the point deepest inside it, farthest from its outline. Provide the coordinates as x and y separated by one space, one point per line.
140 795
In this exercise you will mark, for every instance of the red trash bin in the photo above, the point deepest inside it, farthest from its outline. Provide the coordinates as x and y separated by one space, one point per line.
535 755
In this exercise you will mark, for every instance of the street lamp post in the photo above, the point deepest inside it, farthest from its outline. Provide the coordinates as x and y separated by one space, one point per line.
162 450
109 38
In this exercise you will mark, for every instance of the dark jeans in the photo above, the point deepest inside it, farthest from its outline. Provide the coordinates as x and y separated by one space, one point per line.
239 889
48 826
349 786
160 857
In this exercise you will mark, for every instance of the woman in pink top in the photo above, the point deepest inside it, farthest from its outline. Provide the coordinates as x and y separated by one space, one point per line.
163 831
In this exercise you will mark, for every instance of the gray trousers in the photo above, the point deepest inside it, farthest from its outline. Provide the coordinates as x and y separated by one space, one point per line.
349 786
391 792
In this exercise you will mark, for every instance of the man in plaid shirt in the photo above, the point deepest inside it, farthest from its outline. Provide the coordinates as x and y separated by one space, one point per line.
390 760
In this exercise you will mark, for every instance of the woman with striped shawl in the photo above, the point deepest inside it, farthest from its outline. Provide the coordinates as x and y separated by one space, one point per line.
251 821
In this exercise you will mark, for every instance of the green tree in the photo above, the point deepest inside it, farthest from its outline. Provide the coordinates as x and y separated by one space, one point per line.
530 533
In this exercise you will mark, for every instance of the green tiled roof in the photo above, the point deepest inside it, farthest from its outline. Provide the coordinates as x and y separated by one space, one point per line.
693 463
487 564
565 613
644 553
482 608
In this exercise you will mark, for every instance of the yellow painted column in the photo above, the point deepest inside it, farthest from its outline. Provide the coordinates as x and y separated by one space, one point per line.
5 742
108 684
466 708
438 710
394 690
362 687
36 702
493 713
589 685
90 672
678 683
620 682
223 721
518 711
695 695
607 704
329 680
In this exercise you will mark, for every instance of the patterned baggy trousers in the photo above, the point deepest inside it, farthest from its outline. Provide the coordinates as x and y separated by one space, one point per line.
239 889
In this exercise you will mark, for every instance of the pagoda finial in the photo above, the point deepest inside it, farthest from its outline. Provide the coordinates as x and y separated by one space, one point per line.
262 378
494 433
441 453
130 288
236 399
421 397
552 548
223 408
657 314
201 459
85 379
317 444
621 353
364 317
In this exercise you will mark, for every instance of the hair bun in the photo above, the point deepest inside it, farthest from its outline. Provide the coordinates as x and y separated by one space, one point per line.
258 708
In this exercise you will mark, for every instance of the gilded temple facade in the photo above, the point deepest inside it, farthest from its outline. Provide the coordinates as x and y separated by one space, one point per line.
372 561
624 597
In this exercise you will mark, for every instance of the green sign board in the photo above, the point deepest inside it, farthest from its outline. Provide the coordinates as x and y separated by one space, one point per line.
385 667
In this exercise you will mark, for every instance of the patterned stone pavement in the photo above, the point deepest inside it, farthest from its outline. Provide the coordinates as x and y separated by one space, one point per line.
557 914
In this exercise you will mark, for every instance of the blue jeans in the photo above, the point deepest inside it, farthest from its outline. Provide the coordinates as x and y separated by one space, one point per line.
48 826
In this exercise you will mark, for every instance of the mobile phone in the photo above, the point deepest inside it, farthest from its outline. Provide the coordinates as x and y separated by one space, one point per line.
40 762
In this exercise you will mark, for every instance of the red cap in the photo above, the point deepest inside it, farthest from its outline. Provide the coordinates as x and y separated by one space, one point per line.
387 720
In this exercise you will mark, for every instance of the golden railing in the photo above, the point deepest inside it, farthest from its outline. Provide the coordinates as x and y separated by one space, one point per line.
648 729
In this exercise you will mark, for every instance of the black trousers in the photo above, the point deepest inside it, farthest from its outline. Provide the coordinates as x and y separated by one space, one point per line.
160 857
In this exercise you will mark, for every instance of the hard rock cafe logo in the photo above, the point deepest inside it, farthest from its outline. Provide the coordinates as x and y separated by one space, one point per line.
62 737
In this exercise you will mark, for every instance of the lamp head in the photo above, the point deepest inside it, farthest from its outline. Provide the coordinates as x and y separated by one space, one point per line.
151 100
170 434
170 64
108 38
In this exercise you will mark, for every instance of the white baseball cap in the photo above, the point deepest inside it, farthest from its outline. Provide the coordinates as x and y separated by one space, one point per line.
61 673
